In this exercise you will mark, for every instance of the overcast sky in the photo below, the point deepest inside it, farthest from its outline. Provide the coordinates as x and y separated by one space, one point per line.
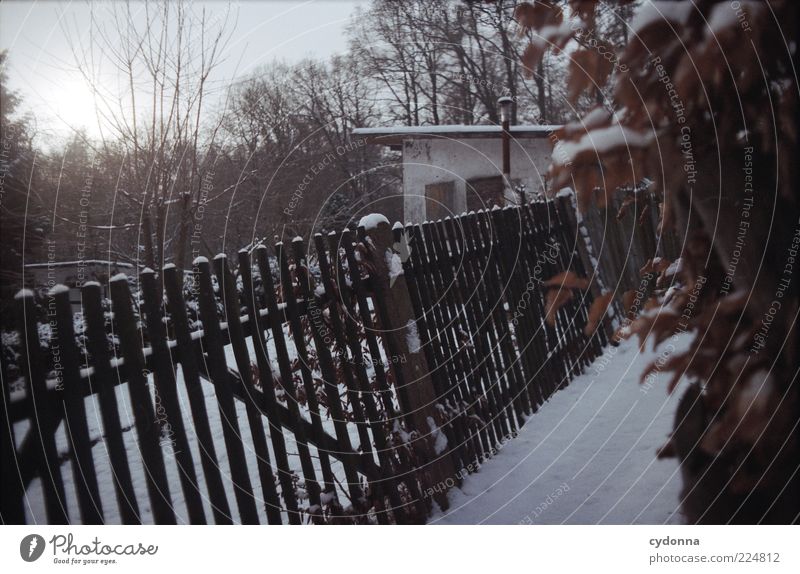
41 67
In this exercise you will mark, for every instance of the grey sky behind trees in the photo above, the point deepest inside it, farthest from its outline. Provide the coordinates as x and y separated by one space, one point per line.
41 67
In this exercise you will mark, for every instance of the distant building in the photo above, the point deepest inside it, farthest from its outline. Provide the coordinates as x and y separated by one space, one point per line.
448 170
74 273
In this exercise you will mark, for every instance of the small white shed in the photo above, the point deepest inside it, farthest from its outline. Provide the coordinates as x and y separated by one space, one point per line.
450 169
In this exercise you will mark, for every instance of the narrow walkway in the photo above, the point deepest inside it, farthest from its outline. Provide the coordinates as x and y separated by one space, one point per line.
587 456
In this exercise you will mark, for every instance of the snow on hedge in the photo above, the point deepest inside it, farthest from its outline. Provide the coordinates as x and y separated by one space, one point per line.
601 141
676 13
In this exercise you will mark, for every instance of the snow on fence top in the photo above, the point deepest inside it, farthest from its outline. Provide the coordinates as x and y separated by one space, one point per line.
58 289
23 293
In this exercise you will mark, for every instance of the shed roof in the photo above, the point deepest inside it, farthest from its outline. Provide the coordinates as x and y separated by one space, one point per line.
396 135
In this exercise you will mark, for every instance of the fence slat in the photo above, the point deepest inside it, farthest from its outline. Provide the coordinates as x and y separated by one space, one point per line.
287 380
354 272
83 469
386 457
287 290
351 384
453 426
230 300
493 386
167 396
465 371
43 421
12 510
147 428
495 348
393 417
520 280
269 402
457 388
323 341
218 370
176 306
103 382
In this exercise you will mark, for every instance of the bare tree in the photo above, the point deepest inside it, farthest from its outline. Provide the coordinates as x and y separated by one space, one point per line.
166 53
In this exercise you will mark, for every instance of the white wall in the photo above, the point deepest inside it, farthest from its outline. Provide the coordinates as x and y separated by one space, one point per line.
427 161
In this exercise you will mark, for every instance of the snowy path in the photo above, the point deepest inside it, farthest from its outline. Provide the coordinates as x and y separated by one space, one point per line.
587 456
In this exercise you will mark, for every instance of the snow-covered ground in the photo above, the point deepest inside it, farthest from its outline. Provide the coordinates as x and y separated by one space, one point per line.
587 456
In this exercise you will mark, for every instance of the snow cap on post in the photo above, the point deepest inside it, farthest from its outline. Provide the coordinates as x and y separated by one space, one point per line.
200 260
23 294
119 277
372 221
58 289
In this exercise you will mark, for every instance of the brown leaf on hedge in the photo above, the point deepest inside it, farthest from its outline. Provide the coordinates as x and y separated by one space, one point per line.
628 299
624 207
652 303
584 9
532 56
538 14
596 312
677 364
556 298
667 450
567 280
665 221
587 69
655 265
644 215
658 324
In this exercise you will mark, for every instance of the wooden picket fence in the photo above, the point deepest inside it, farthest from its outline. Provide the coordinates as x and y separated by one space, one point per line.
623 237
355 393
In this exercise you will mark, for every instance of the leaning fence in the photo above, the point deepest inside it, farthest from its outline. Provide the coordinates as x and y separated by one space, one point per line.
352 384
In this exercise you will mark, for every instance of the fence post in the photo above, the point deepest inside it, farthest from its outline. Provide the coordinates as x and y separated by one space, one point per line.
412 375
